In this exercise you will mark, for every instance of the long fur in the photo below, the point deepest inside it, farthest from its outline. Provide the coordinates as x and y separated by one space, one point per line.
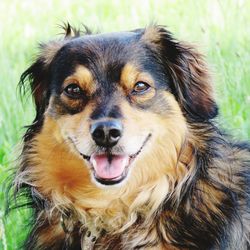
191 190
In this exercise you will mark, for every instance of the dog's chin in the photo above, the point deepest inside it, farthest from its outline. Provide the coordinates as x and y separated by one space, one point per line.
110 169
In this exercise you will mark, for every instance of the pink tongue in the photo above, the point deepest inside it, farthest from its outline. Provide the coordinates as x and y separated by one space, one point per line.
109 170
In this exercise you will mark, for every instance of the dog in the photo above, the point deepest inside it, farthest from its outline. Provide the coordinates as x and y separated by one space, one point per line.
124 152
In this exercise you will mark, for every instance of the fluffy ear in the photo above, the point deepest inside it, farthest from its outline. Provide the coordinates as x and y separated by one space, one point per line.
37 75
190 79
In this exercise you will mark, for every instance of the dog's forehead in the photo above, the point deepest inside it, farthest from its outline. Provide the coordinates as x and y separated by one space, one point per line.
107 46
103 54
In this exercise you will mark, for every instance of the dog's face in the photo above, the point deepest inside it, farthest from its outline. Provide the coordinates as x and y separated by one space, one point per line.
116 107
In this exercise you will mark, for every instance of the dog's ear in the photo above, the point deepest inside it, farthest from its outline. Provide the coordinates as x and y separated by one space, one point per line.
37 75
190 79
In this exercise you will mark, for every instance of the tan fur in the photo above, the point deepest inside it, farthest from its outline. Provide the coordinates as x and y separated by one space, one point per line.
83 77
182 173
131 74
47 236
50 49
64 178
152 35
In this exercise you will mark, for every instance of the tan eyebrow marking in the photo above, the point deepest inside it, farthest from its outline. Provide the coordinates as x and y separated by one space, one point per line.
131 74
83 77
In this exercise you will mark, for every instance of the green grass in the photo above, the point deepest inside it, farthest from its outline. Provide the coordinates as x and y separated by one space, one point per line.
220 28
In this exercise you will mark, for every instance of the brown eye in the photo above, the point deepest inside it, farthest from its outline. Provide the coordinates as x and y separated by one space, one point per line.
140 88
73 91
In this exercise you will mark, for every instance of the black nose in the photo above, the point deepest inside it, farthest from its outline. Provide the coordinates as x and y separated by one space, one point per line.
106 133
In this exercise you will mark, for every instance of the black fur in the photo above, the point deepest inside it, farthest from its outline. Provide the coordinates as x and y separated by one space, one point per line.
190 219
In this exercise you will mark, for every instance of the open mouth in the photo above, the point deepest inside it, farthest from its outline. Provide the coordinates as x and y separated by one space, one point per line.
111 169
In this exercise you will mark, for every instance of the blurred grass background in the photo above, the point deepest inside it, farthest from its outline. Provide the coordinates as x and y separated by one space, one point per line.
220 28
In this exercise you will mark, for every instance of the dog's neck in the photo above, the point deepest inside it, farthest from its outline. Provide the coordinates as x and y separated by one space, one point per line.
88 234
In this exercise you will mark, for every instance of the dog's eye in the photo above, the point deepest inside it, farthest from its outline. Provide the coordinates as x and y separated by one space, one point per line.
140 88
73 91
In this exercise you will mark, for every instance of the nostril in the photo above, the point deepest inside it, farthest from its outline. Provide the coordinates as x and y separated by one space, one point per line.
115 133
98 133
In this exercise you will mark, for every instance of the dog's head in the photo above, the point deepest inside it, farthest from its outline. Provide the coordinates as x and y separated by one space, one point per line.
112 107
